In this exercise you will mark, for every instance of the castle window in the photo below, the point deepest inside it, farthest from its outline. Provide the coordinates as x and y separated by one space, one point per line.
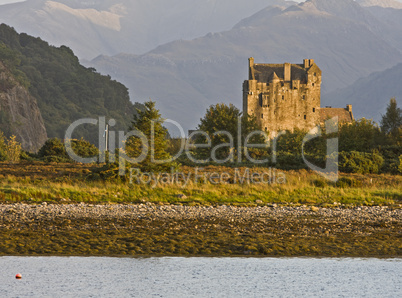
283 97
260 100
305 117
266 128
313 84
313 110
304 97
262 116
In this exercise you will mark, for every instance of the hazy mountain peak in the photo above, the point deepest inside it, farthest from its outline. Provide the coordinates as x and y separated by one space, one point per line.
308 6
381 3
109 19
335 7
94 27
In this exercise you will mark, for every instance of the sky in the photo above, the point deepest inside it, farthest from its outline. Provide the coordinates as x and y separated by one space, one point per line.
9 1
13 1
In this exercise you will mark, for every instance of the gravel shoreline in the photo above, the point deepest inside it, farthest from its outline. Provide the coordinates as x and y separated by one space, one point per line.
31 212
157 229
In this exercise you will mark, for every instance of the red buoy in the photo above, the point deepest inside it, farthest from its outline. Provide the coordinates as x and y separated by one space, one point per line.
18 276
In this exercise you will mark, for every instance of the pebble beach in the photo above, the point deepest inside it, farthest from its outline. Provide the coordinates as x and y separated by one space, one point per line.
165 229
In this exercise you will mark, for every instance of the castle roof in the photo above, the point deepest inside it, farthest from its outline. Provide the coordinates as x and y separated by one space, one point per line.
265 72
344 115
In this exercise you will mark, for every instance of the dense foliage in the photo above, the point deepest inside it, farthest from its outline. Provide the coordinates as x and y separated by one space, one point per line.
65 90
148 121
360 162
54 150
10 149
391 122
146 151
362 135
3 152
224 124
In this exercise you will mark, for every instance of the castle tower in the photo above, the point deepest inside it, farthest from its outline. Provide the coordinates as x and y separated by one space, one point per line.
283 96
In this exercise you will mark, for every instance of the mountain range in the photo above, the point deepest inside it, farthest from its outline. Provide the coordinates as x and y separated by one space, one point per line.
349 40
346 40
381 3
370 95
110 27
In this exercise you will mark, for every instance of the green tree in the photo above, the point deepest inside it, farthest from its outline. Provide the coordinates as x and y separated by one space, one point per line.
221 124
148 121
391 122
400 164
3 148
10 149
291 142
13 149
362 135
12 60
9 57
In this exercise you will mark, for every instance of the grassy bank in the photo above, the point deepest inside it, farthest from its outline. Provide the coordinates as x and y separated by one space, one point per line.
67 183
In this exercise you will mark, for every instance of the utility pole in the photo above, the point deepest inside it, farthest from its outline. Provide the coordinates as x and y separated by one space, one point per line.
106 136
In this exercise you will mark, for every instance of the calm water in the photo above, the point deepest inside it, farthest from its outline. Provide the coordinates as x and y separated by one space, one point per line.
199 277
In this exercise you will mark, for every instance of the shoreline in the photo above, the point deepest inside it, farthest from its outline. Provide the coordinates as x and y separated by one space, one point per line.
155 230
390 258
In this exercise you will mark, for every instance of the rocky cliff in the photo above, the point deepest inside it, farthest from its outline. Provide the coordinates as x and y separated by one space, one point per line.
19 113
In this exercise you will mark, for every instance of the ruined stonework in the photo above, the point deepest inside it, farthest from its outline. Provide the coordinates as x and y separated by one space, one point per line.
283 96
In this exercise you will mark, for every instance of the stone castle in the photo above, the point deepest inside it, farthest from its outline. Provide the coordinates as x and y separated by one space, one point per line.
287 97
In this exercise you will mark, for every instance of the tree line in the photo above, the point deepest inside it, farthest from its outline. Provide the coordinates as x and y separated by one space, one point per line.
364 146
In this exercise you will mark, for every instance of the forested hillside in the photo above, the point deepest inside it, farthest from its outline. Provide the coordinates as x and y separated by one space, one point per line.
65 90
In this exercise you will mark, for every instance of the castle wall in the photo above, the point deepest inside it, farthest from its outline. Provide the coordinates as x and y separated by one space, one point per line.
284 103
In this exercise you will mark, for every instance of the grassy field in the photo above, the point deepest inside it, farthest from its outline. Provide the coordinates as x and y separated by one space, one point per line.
69 183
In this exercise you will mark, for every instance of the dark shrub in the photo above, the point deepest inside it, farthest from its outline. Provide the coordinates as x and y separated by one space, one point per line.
290 161
360 162
54 150
320 183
